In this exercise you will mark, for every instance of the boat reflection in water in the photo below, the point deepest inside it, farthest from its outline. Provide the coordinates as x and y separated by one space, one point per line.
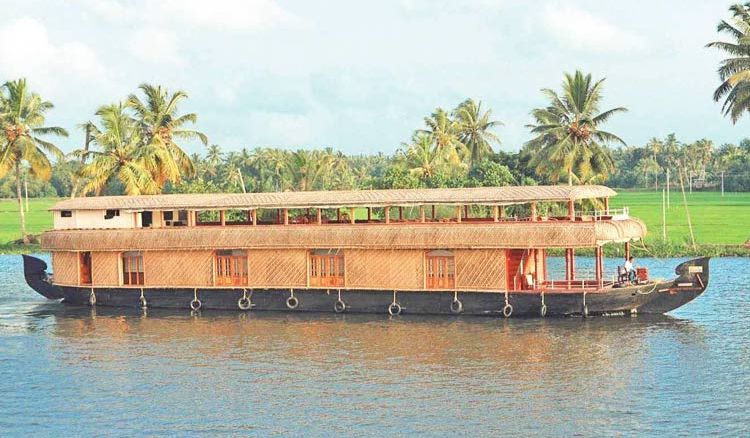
520 348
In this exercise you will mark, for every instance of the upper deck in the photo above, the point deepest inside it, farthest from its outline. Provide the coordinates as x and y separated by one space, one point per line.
458 218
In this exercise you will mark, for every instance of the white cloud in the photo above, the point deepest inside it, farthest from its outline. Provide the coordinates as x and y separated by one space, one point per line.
581 30
112 10
26 51
154 46
226 14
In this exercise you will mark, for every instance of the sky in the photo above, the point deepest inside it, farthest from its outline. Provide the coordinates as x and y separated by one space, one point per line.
360 76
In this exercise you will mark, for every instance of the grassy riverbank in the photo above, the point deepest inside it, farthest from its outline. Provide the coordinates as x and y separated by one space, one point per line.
721 224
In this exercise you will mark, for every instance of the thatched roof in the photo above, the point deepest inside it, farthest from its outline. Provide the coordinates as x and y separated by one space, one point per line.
551 234
333 199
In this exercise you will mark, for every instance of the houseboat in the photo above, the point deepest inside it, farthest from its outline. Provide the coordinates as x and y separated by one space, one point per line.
466 251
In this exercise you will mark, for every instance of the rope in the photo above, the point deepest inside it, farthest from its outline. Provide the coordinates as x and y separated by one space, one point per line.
649 292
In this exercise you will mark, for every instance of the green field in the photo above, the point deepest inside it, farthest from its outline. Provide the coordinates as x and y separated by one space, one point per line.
38 218
716 220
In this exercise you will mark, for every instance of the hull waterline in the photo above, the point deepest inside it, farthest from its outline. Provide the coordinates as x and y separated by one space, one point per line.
655 297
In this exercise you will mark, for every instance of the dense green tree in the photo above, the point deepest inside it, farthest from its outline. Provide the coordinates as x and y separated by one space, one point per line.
122 155
568 138
734 71
161 126
22 119
475 130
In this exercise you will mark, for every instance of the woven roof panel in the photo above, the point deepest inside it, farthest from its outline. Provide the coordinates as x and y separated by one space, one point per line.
561 234
330 199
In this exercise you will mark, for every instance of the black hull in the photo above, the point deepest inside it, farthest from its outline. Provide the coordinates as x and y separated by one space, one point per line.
654 297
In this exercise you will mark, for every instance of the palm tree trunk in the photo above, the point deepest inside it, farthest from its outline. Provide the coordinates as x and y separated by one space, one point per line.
20 204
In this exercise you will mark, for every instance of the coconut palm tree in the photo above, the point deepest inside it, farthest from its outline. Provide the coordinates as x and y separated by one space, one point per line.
122 156
161 126
22 119
475 130
444 133
421 156
734 71
307 168
567 133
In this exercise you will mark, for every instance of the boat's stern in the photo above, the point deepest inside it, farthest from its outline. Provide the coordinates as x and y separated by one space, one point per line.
35 272
692 280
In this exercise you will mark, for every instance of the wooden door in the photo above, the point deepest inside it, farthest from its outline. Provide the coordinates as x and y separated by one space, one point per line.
441 272
231 270
84 267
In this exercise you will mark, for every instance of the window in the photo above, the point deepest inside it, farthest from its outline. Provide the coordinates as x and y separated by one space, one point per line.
109 214
441 270
177 218
231 268
132 268
66 213
326 267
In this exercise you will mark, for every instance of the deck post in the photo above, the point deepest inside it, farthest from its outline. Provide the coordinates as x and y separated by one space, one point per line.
222 218
319 216
338 215
606 206
502 211
533 211
458 213
598 265
536 268
387 214
572 210
369 214
286 216
495 213
255 216
466 211
627 250
433 212
421 214
351 215
401 213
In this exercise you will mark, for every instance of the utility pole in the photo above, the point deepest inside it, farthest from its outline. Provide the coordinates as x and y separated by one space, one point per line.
722 183
667 187
687 212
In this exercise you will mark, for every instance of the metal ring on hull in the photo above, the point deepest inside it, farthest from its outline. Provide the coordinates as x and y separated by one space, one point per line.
394 309
244 303
339 306
507 310
456 306
196 305
292 302
142 301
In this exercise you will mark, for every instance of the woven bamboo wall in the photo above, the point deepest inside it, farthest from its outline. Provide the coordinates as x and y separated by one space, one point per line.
178 268
390 269
480 269
65 267
286 268
105 268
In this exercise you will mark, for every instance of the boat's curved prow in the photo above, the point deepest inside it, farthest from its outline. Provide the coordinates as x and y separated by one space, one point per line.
35 272
691 282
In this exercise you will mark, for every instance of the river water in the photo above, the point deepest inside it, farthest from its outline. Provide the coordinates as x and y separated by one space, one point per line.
82 371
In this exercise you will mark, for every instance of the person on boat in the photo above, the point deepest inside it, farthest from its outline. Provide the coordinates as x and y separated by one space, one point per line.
630 269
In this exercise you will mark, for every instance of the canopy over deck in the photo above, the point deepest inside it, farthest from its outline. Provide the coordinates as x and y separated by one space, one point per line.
553 234
335 199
